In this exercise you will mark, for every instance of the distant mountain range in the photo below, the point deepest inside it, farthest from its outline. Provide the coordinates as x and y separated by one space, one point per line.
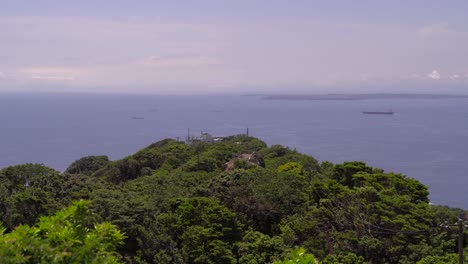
362 96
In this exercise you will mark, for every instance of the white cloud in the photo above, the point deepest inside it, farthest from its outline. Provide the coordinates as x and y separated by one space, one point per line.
49 73
53 78
48 70
151 55
454 77
177 61
435 29
2 75
435 75
162 74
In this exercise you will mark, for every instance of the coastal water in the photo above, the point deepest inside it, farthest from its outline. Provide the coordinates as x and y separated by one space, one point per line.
425 139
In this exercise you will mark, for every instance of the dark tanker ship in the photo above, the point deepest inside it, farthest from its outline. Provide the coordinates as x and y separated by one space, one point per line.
390 112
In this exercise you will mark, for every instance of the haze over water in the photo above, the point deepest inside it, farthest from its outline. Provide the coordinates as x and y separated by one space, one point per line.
425 139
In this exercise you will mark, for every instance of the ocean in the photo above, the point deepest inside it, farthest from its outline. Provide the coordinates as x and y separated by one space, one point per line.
425 139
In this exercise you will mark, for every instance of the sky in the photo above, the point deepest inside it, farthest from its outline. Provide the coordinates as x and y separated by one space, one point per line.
234 46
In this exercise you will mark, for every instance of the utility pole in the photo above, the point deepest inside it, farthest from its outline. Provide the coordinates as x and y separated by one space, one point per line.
461 231
460 238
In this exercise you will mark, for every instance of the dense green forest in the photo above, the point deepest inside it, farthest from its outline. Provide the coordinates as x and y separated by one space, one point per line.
234 201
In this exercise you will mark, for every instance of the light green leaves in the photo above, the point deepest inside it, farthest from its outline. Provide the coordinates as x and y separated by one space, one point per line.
62 238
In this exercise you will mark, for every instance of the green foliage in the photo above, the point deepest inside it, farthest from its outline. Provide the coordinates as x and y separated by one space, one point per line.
344 258
21 177
291 167
257 247
344 173
276 151
204 162
80 187
277 155
88 165
209 203
286 192
243 164
63 238
299 256
446 259
167 153
400 184
308 229
27 192
238 192
242 144
201 230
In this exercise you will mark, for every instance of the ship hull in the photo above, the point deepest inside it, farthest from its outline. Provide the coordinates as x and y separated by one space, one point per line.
377 113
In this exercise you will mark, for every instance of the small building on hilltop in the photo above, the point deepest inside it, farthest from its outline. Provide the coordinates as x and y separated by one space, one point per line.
244 160
204 137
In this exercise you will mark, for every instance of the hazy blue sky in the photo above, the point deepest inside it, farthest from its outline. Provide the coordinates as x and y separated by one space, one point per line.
199 46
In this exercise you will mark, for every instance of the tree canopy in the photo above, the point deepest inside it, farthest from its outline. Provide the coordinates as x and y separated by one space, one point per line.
66 237
233 201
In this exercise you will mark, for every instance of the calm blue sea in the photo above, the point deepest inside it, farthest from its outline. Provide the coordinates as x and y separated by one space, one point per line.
425 139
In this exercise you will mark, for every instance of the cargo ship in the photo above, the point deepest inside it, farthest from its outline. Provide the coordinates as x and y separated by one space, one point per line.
390 112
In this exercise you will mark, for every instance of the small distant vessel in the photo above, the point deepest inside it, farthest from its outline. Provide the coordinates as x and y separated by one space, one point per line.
389 112
137 117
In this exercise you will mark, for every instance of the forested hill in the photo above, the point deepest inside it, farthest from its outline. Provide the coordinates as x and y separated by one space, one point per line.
234 201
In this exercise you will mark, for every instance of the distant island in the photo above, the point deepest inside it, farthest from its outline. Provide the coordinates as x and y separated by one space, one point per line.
370 96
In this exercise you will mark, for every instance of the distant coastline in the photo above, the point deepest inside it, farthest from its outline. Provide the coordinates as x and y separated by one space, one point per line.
347 97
